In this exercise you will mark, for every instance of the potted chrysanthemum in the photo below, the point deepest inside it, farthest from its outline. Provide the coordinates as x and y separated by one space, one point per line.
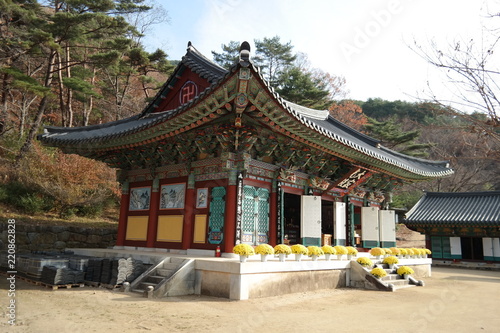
377 252
299 250
387 252
404 253
244 251
365 261
405 271
391 261
264 250
378 272
328 251
427 252
396 252
282 250
409 253
314 252
341 250
351 252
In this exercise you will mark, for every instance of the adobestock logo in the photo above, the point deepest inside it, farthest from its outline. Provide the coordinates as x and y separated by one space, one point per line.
364 34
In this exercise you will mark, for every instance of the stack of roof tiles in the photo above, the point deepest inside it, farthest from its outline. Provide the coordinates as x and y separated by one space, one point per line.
54 275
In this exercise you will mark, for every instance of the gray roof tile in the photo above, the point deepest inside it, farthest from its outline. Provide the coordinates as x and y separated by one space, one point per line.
464 208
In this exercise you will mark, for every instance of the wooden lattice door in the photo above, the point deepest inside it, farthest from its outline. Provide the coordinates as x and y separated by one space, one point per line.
255 215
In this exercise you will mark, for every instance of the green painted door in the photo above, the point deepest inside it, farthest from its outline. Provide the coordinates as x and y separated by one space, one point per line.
255 215
441 247
216 219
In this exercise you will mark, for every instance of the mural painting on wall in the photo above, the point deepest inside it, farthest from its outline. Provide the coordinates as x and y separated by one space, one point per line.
201 198
172 196
139 198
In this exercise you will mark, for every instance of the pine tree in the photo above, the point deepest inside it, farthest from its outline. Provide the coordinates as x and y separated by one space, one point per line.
229 55
392 136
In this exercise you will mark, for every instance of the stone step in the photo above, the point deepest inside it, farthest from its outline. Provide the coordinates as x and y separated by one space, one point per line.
170 265
165 272
154 279
391 276
177 261
398 282
404 286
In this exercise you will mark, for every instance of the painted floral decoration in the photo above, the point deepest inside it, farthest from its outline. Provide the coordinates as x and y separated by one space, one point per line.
243 250
340 249
299 249
390 260
352 251
327 249
365 261
377 251
378 272
282 249
314 251
264 249
403 270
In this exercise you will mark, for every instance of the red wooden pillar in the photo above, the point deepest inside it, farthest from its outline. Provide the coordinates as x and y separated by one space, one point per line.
122 222
187 230
273 217
230 218
153 214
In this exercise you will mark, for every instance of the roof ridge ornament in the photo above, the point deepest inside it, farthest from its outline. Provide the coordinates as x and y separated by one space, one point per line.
245 54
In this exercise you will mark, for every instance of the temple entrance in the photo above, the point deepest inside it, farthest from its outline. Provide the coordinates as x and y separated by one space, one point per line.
472 248
302 219
327 221
327 217
291 218
255 215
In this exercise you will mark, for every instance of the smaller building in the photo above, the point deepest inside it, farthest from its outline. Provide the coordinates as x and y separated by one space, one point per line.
462 226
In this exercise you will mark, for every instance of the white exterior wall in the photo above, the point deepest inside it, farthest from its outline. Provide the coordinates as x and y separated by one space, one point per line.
496 248
487 247
455 246
339 233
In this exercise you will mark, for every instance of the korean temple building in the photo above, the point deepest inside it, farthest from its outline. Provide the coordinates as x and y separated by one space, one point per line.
459 226
219 158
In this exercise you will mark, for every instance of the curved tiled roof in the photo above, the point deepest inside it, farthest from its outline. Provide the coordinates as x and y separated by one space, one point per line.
202 66
462 209
317 120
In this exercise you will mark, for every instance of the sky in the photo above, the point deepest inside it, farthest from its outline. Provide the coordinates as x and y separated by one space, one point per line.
366 41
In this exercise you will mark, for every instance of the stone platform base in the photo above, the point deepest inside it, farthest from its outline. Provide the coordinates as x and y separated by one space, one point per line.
227 277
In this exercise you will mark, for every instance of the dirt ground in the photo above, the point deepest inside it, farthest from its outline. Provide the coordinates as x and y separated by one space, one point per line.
453 300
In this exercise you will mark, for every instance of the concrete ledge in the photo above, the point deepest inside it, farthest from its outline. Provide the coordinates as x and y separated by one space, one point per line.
204 253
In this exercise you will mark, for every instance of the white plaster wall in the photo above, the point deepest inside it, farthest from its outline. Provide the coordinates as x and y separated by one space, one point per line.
496 247
455 245
487 247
